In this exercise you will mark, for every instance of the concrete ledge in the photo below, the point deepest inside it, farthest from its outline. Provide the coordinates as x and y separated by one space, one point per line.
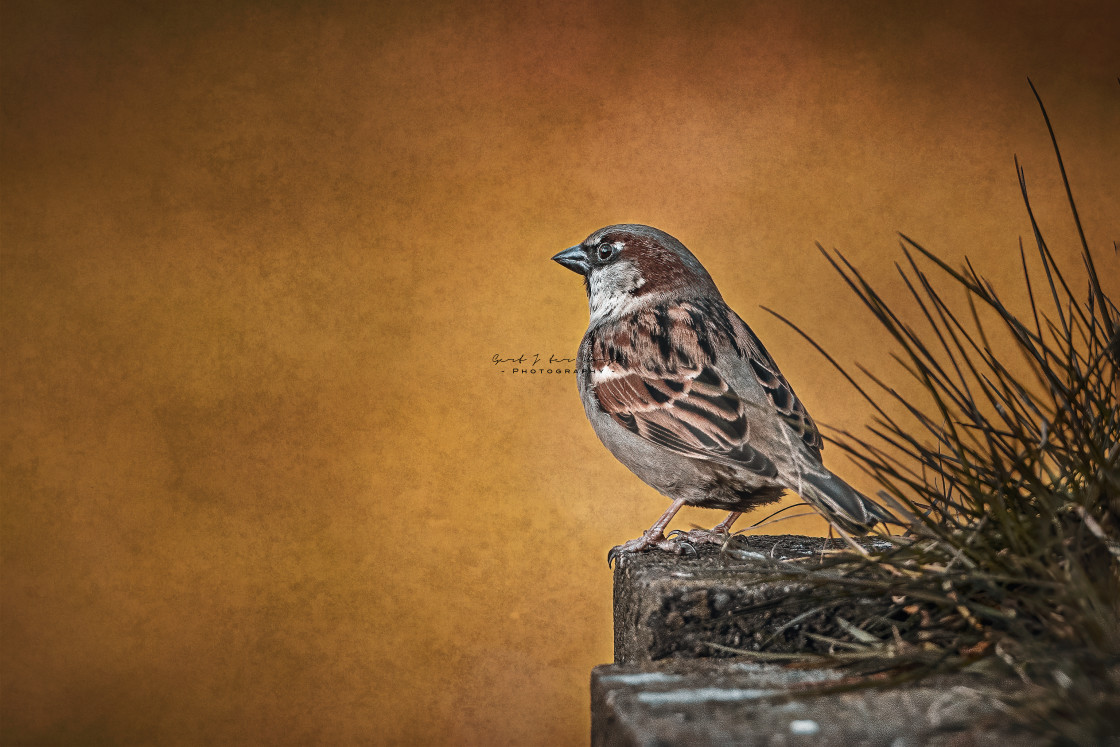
671 684
719 702
674 606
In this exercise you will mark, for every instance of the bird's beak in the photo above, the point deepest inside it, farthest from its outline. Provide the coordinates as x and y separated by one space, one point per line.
575 259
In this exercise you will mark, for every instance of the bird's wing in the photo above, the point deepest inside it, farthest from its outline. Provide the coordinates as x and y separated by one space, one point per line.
692 412
781 394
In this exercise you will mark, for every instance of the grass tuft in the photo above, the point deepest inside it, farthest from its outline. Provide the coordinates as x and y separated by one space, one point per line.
1008 475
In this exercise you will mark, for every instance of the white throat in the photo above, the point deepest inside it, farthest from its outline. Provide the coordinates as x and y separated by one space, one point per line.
612 306
611 295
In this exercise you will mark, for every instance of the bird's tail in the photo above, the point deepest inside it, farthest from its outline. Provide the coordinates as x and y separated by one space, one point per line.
842 505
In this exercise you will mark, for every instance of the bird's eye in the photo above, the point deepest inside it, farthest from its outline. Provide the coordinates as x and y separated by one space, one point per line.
605 252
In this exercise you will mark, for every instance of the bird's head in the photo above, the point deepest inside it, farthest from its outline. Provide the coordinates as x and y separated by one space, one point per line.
629 265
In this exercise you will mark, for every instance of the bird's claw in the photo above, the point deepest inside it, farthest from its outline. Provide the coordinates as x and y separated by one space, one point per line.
700 536
646 541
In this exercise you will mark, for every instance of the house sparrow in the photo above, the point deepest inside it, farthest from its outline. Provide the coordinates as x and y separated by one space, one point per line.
683 393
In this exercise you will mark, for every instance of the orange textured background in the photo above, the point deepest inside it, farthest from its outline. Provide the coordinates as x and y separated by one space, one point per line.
261 482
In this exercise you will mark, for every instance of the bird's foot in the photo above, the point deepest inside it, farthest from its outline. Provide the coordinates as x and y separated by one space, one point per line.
701 536
648 540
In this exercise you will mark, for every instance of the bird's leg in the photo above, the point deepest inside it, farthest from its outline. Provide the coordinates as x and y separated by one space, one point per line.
654 537
717 535
725 525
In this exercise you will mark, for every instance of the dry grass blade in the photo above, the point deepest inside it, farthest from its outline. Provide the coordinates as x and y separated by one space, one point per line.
1010 474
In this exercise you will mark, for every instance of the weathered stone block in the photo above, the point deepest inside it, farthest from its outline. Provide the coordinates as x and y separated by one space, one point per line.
676 606
673 683
719 702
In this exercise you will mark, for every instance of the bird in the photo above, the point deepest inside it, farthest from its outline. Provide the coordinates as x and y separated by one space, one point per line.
683 393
